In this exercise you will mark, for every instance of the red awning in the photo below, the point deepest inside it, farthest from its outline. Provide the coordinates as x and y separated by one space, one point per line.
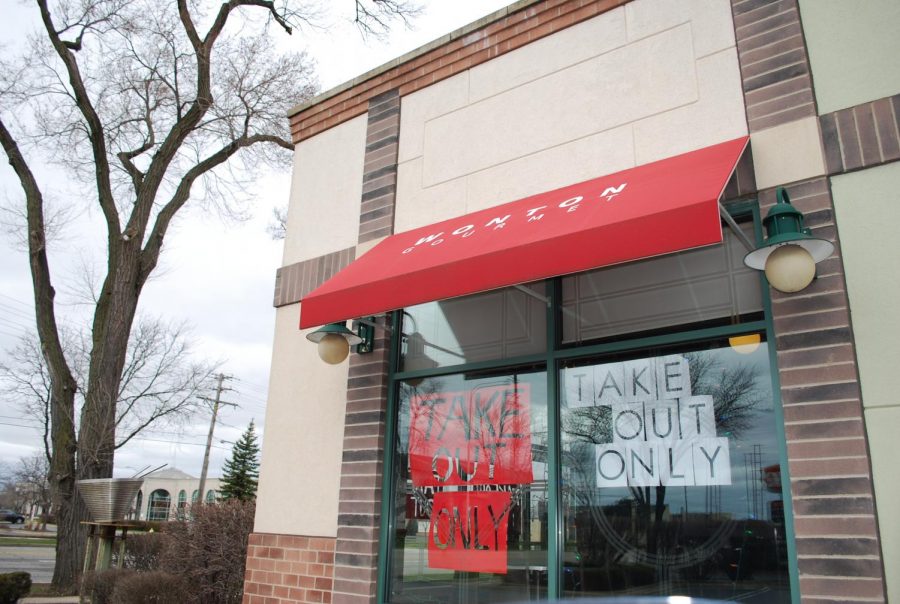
658 208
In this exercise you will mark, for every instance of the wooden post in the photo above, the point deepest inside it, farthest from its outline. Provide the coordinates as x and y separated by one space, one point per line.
88 551
121 561
105 546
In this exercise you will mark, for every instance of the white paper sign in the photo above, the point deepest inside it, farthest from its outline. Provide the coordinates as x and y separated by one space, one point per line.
611 466
698 417
677 465
661 433
712 463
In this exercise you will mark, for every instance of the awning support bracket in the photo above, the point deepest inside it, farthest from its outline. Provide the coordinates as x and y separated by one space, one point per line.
735 228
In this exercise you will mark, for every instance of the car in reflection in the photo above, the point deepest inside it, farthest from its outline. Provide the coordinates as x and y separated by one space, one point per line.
11 516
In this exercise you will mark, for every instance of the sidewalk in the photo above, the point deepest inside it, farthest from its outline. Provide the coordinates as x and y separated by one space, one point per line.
50 600
7 530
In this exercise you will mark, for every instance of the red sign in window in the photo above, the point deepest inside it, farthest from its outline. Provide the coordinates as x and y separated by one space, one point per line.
477 437
468 531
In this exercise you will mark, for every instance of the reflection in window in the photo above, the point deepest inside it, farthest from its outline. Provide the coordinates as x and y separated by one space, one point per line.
671 467
470 510
492 325
210 496
708 284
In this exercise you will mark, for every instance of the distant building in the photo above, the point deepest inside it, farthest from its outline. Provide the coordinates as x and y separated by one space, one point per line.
166 492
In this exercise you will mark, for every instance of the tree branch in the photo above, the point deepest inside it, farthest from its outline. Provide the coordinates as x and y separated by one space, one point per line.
188 23
150 254
95 126
44 293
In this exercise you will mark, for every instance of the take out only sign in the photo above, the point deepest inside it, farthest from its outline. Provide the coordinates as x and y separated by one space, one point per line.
480 440
661 433
471 448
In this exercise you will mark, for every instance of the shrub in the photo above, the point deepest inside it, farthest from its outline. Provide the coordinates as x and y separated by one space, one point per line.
151 587
144 551
13 586
102 583
210 550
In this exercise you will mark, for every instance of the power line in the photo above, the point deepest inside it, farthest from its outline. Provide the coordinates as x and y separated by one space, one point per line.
13 335
253 385
13 310
19 417
175 442
16 300
250 396
16 324
33 427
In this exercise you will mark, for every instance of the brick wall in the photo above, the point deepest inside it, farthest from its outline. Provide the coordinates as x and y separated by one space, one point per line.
359 507
838 553
288 568
863 136
376 218
294 281
774 64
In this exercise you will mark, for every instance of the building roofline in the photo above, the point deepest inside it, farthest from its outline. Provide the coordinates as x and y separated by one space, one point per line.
494 35
413 54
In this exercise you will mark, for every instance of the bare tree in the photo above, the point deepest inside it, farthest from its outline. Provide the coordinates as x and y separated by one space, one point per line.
33 484
159 386
277 227
146 105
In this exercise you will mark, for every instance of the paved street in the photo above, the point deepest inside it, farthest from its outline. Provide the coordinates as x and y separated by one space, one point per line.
35 560
38 561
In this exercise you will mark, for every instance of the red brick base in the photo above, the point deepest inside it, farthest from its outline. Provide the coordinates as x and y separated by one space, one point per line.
289 568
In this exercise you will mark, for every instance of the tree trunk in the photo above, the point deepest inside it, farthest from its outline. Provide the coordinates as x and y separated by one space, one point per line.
62 488
71 538
97 427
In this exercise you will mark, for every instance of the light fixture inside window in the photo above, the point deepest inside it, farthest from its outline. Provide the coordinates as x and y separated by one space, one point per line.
746 343
790 253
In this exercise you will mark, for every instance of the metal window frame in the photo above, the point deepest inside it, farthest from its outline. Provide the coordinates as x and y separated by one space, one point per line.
552 359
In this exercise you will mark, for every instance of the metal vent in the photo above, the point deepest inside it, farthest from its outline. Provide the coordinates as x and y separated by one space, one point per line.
109 499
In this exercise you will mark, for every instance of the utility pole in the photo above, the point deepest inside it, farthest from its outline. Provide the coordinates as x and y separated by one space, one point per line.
201 495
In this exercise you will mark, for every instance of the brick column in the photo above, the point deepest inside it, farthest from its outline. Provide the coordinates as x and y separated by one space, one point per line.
356 551
839 556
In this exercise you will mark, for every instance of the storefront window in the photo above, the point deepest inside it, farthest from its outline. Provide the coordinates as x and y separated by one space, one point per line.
609 433
670 467
708 285
470 509
492 325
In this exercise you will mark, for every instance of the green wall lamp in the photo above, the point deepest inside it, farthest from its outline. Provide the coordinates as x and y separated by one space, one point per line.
790 253
334 340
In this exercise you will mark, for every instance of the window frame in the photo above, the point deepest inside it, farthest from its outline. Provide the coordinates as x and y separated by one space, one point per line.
555 355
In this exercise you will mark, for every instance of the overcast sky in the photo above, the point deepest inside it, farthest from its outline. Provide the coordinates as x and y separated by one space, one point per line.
217 275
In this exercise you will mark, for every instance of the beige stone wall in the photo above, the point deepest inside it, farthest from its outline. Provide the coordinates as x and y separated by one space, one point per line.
301 458
866 207
636 84
326 187
301 455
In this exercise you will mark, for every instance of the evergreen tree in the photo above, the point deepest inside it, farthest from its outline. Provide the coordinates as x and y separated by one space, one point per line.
241 470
